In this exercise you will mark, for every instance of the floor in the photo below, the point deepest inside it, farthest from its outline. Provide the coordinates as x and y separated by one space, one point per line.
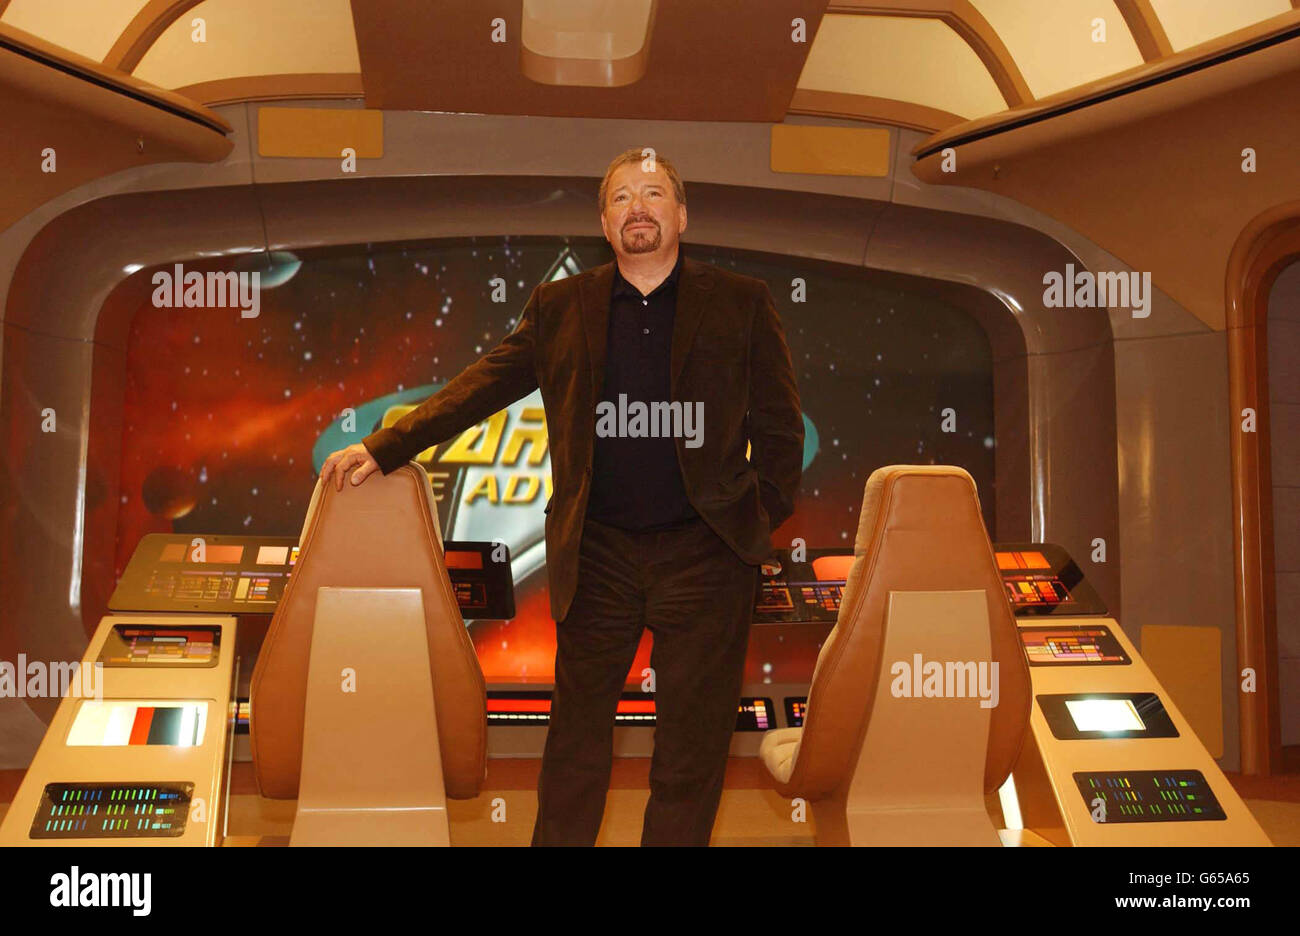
752 813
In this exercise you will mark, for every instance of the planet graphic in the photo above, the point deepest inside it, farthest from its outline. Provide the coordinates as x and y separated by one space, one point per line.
274 269
169 492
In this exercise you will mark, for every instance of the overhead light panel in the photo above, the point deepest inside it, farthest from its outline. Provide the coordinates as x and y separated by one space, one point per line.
586 43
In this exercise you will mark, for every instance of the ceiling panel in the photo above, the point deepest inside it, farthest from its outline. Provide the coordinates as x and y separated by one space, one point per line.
715 60
1190 22
1052 40
254 37
892 60
920 61
87 28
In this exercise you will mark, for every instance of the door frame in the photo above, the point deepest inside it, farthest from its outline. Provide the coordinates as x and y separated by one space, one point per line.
1266 246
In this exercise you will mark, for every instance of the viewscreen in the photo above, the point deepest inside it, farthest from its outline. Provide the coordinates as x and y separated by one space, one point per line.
228 415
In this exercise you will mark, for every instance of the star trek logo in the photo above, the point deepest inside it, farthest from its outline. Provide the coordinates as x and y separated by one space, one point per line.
493 481
513 443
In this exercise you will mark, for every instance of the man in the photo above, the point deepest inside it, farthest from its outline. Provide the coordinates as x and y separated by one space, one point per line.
656 521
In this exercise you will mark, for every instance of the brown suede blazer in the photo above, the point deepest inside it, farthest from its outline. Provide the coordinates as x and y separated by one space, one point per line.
728 351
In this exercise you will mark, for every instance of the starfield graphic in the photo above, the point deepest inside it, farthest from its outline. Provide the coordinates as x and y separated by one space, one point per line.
228 420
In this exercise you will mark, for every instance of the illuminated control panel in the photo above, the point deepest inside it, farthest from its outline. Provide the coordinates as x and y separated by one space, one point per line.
823 595
518 707
136 645
1098 711
756 714
1148 796
127 761
808 590
481 578
1087 645
248 574
635 709
215 573
796 710
112 810
1042 579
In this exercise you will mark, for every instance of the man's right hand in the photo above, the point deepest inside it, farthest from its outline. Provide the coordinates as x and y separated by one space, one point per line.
354 458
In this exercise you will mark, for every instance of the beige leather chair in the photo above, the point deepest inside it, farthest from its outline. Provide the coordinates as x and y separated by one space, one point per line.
878 768
382 534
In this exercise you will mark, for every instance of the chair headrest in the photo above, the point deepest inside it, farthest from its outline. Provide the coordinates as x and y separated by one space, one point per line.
318 491
928 509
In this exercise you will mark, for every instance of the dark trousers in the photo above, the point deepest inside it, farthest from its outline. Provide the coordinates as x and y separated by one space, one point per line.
697 597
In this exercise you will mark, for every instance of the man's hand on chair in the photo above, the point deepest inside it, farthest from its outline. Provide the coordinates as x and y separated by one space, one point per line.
354 458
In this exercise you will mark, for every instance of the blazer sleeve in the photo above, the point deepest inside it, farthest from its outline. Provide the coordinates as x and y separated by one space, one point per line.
491 383
775 417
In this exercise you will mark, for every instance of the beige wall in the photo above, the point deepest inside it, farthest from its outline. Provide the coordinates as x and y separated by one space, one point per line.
1284 411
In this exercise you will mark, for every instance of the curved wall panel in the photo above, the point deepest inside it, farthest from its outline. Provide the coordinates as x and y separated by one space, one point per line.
1057 381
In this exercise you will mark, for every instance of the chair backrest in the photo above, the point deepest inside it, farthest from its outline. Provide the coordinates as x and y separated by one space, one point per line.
382 533
920 529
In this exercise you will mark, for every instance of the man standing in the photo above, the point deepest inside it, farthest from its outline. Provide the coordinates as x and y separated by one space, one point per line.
657 373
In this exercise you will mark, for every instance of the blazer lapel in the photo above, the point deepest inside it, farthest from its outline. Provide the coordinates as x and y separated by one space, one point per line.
694 288
593 299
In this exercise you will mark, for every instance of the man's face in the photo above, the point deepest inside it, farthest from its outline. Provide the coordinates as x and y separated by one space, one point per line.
642 214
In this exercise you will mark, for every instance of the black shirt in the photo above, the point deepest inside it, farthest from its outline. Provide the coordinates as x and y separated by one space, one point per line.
636 483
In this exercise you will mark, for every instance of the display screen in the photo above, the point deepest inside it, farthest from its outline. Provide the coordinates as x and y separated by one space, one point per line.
796 708
112 810
118 723
137 645
463 559
1106 715
1148 796
1012 560
833 566
209 554
1090 645
276 555
226 431
482 578
756 714
1042 579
